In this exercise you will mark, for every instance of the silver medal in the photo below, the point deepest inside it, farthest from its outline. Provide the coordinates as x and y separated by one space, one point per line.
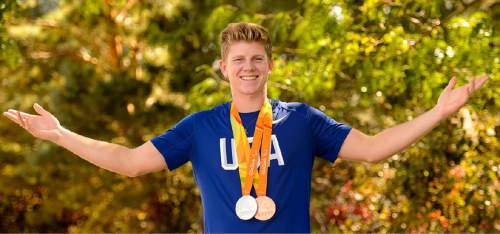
246 207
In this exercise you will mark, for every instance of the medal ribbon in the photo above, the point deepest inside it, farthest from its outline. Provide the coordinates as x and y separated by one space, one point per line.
247 157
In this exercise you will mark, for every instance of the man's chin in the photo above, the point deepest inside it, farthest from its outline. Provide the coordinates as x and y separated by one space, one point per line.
251 92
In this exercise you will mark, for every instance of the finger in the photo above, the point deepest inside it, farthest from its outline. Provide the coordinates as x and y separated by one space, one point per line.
23 124
480 81
12 110
12 117
452 83
23 114
40 110
28 124
470 88
22 118
473 85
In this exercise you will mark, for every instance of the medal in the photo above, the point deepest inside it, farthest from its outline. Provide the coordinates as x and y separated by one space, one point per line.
246 207
263 208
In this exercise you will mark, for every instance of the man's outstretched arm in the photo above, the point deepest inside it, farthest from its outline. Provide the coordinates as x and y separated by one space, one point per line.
359 146
112 157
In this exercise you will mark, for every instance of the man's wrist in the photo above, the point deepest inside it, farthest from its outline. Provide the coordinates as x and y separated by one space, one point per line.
437 114
61 131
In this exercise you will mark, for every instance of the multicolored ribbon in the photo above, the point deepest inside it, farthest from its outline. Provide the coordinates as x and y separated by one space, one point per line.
247 157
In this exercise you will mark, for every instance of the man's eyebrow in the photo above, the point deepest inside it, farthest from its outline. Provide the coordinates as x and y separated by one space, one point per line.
237 56
242 56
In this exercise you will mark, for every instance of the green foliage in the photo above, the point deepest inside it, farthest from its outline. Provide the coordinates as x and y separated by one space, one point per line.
125 71
9 52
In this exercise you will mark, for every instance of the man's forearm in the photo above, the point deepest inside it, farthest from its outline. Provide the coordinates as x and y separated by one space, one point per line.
112 157
395 139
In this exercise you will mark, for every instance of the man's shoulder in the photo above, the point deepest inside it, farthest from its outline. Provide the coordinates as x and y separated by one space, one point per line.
298 107
283 109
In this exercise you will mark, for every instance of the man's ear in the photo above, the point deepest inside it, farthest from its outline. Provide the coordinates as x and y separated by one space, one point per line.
222 67
271 64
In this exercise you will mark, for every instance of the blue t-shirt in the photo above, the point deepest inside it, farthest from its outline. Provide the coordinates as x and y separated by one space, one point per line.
300 132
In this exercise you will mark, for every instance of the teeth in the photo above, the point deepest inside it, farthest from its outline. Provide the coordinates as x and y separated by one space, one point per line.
248 77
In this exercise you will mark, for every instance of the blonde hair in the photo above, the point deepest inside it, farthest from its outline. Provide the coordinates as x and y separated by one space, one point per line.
243 31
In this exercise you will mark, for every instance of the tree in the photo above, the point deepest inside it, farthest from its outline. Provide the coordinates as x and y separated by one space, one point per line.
125 71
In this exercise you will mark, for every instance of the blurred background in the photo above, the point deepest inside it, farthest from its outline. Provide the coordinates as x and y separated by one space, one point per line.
126 71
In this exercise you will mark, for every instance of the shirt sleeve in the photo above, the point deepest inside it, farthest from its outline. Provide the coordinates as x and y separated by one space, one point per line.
328 134
176 144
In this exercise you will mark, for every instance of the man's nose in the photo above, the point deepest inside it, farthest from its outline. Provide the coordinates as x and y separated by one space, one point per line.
249 65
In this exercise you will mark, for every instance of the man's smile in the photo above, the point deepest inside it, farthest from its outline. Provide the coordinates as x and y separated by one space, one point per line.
249 77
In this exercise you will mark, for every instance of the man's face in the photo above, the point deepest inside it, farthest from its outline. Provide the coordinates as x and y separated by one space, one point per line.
247 68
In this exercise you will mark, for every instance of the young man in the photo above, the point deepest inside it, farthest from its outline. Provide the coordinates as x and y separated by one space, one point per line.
243 190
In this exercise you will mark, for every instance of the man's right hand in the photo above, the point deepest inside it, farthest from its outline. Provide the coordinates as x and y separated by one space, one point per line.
44 125
117 158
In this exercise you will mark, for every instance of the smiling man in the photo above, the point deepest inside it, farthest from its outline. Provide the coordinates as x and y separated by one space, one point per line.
252 157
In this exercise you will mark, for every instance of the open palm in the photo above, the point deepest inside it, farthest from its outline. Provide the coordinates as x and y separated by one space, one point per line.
452 99
44 125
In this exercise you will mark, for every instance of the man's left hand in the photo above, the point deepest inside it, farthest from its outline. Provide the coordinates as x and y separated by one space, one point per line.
451 99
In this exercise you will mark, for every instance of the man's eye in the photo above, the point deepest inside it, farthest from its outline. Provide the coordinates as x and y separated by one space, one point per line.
237 59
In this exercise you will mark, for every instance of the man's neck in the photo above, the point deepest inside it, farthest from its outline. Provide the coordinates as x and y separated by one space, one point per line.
249 103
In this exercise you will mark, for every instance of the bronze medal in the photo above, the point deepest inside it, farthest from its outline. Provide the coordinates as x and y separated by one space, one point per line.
265 208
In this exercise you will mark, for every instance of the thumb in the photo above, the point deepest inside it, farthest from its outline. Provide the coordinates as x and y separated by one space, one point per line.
451 84
39 109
